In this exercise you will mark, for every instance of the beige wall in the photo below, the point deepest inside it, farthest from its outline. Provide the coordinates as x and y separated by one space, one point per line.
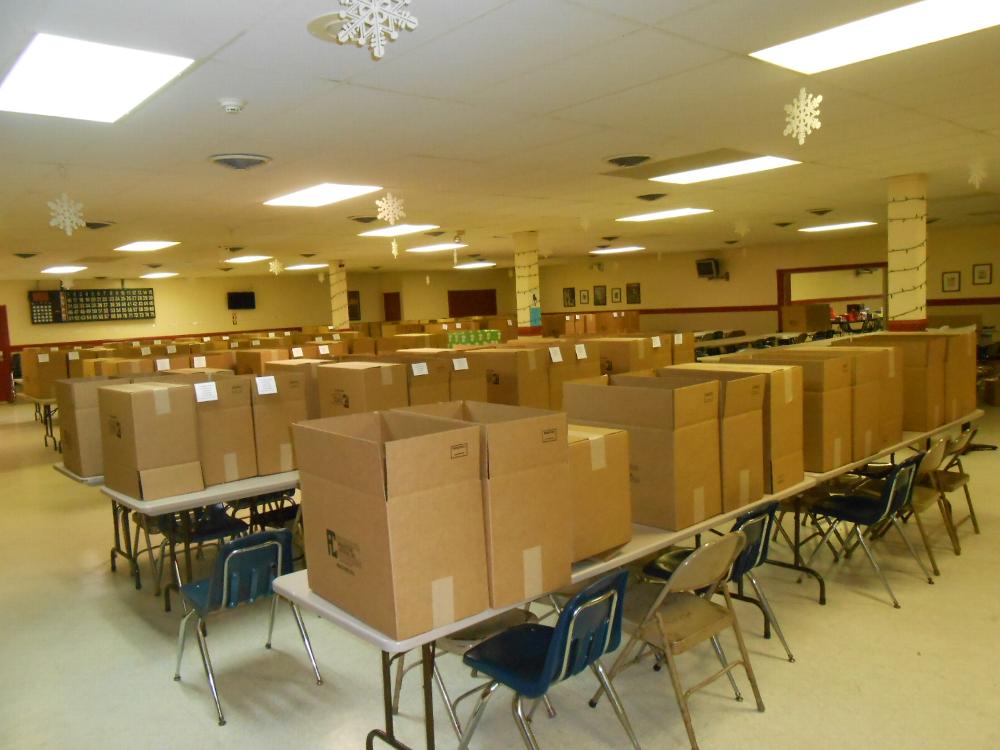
422 300
824 285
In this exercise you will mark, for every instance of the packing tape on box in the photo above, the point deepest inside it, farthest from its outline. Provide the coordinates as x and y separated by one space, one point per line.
744 486
531 558
598 453
443 601
230 467
386 375
285 457
869 448
531 359
161 401
789 391
698 503
837 451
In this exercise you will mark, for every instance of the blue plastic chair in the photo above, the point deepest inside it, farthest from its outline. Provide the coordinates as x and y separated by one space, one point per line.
244 571
530 658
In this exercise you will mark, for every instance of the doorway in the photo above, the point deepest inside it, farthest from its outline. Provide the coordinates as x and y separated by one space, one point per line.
392 307
842 287
6 376
464 303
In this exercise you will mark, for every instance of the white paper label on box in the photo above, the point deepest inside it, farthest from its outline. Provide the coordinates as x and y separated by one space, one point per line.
225 338
678 339
744 486
329 328
206 339
555 353
317 339
255 342
386 375
581 351
205 392
657 343
837 451
162 364
510 322
171 349
73 356
136 343
78 347
323 349
569 317
270 334
698 503
578 317
419 368
53 348
43 358
285 457
444 326
230 466
266 385
458 326
443 601
531 359
161 401
145 351
598 453
234 345
287 333
532 560
614 315
460 363
336 337
296 352
199 362
157 341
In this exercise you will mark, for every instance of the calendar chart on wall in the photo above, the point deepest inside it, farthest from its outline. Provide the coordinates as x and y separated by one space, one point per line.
89 305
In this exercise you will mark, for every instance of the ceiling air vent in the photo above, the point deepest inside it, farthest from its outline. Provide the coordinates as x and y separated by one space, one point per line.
25 256
363 219
434 234
783 224
628 160
610 238
730 242
225 269
651 196
820 211
98 224
239 162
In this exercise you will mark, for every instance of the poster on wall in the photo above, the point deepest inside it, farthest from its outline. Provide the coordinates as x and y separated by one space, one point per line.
616 295
633 293
584 297
951 281
982 273
569 296
600 295
353 305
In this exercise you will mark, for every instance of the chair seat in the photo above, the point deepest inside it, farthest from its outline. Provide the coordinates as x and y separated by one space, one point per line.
664 566
948 481
515 658
861 508
209 527
278 517
923 498
459 643
196 594
688 620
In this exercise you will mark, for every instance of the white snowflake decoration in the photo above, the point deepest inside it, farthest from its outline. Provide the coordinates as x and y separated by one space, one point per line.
390 208
67 214
395 249
977 175
275 267
802 116
741 228
373 23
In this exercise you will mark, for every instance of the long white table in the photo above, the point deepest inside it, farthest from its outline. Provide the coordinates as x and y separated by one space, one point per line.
89 481
45 409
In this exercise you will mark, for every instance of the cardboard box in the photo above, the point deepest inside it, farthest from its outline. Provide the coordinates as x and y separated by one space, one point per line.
681 346
393 516
991 391
80 424
362 345
569 361
128 367
784 461
308 369
516 377
741 432
225 430
600 494
673 445
149 443
624 354
320 349
389 344
165 362
805 318
526 496
466 380
350 387
278 401
427 378
196 374
223 360
251 361
40 369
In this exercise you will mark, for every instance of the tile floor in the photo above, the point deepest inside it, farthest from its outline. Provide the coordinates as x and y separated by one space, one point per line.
87 660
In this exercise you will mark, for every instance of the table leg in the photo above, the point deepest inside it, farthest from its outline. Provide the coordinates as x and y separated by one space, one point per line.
798 563
119 515
427 655
387 736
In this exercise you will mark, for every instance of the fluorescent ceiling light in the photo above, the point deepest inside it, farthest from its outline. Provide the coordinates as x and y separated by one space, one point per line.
64 269
732 169
158 275
61 77
616 250
399 230
322 195
248 259
911 26
307 267
671 214
145 246
437 248
474 264
835 227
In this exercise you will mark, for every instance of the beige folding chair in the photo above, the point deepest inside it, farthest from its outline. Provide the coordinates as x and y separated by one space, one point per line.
682 615
950 479
925 495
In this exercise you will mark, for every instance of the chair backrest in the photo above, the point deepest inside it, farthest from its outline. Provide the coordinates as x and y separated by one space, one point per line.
708 565
932 458
957 446
589 626
246 567
718 334
756 527
899 485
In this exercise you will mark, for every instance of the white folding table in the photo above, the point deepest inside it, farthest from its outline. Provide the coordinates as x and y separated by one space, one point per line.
89 481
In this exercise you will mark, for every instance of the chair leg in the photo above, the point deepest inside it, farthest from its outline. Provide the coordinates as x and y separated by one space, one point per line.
874 563
181 638
949 523
619 665
770 613
270 620
927 543
616 703
477 714
725 663
972 511
305 641
744 654
448 705
913 552
206 662
517 707
681 697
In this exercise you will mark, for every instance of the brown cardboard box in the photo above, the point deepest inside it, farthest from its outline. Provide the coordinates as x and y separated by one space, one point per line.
80 424
805 318
391 329
427 378
390 344
162 363
466 380
991 391
350 387
784 462
959 371
516 377
225 430
40 369
220 359
127 367
673 445
599 490
278 401
393 516
320 349
506 324
196 374
681 346
309 370
251 361
741 432
621 355
362 345
569 361
169 349
148 436
526 496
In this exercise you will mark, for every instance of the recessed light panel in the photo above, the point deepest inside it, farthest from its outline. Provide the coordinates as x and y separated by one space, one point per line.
673 213
145 246
62 77
322 195
440 247
837 227
248 259
474 264
896 30
307 267
158 275
64 269
398 230
732 169
617 250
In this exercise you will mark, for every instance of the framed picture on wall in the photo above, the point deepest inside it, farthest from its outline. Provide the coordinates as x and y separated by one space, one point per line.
354 305
982 273
569 296
633 293
584 297
616 295
600 295
951 281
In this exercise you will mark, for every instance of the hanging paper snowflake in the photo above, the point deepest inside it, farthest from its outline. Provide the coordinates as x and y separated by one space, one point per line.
67 214
372 23
741 228
275 267
802 116
395 250
977 175
390 208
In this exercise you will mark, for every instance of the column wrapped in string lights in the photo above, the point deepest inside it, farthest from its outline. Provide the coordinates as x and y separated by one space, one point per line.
337 279
529 298
907 278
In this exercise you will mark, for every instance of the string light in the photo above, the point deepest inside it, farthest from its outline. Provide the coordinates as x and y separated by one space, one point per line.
908 249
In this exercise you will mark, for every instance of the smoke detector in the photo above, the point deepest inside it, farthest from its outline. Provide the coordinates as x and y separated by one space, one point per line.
231 105
239 162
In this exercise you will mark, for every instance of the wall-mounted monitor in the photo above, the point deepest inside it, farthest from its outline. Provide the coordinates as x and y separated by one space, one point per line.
708 268
241 300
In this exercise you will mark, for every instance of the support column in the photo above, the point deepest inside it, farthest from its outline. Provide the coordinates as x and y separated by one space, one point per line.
907 272
337 278
529 299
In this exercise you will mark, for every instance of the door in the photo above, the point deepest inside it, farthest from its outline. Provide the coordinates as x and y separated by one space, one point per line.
392 307
464 303
6 381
